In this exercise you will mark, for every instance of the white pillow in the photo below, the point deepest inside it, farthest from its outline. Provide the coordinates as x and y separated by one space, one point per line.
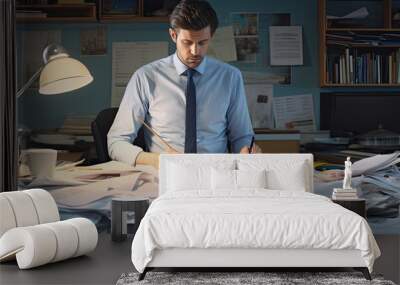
183 178
225 179
282 174
251 178
186 175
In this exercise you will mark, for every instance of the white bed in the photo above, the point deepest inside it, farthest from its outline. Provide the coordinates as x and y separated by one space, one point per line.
215 211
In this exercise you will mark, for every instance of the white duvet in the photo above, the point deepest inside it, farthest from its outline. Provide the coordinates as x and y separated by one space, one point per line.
250 219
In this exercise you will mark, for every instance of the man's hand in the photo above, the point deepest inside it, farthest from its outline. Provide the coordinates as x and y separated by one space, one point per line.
148 158
152 158
255 149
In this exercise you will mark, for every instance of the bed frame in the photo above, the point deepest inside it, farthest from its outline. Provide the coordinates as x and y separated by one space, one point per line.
242 259
245 258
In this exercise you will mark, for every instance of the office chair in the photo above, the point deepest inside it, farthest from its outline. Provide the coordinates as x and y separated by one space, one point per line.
100 127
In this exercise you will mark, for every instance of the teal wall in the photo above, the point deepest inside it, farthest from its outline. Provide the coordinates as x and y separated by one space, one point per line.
42 112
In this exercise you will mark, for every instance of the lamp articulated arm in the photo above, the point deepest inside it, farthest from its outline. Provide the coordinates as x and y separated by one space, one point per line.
29 83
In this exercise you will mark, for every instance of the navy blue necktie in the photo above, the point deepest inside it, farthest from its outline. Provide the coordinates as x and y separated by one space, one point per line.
190 123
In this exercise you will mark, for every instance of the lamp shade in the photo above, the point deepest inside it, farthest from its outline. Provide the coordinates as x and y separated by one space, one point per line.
63 74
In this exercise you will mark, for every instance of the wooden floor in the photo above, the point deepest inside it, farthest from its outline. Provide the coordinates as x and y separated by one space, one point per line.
111 259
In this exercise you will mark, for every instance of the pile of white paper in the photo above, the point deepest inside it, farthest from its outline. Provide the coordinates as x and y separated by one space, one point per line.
375 163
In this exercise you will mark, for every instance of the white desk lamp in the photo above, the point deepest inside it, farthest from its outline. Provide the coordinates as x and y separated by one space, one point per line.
59 74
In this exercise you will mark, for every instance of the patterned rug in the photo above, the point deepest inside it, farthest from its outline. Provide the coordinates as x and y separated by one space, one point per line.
243 278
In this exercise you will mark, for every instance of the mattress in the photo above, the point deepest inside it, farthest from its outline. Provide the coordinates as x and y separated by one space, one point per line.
251 219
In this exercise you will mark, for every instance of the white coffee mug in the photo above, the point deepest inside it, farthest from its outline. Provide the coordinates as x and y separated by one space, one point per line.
41 161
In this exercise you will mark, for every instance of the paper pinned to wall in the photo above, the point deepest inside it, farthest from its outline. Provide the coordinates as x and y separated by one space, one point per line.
93 41
222 45
295 112
259 101
127 57
33 44
286 45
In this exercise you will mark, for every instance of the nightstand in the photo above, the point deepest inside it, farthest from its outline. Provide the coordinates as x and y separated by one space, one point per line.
357 206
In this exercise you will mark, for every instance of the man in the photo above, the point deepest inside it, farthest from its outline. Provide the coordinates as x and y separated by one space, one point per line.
195 103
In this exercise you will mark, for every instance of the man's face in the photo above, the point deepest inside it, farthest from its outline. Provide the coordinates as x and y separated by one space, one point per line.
191 46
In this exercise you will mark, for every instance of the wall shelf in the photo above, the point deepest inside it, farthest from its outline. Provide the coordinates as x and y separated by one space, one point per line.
56 13
91 12
359 53
139 12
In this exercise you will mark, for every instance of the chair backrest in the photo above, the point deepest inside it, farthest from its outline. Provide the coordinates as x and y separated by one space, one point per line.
100 127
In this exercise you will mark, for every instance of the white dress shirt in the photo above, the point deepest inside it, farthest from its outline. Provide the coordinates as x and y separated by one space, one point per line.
156 95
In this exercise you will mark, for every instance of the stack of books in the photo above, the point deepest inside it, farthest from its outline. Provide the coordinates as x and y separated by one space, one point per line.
77 125
344 194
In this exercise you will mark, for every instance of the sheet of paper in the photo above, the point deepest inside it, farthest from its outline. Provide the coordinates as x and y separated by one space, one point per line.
294 112
33 44
374 163
222 45
127 57
357 14
259 101
94 41
245 30
138 184
286 45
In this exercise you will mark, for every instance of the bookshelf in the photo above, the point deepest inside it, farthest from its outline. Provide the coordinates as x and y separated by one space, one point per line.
361 51
37 13
107 11
138 11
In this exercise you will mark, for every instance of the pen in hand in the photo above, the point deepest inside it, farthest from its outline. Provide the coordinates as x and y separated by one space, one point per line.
169 148
251 145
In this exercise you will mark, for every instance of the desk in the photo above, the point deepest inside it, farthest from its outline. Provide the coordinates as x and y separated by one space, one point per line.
87 191
277 141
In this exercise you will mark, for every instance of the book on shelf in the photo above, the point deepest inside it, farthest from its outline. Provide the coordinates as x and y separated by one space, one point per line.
352 66
30 14
350 39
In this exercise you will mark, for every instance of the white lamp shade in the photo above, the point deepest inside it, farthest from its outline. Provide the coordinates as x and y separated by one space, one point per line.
63 74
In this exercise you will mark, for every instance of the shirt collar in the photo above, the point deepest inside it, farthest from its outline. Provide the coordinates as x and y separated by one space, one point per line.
181 67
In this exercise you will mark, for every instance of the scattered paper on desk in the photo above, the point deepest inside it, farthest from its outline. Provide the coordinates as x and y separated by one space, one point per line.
33 44
357 14
259 101
372 164
294 112
137 184
53 181
286 45
127 57
222 45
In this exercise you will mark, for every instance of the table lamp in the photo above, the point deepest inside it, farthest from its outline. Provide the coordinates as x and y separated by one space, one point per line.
59 74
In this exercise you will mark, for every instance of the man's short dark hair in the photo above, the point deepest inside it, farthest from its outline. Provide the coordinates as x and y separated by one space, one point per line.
194 15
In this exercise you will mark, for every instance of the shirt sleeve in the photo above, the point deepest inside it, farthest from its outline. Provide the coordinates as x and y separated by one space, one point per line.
240 130
123 132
